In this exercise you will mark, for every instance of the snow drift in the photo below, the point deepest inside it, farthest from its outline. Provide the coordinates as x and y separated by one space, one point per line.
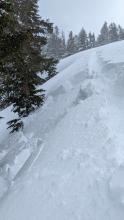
68 163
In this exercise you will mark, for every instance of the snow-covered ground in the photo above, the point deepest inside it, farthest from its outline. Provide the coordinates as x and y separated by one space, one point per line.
68 163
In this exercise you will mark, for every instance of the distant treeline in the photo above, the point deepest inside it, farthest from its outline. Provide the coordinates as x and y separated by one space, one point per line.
58 47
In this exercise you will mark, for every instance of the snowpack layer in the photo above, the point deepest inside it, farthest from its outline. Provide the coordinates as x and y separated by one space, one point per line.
68 163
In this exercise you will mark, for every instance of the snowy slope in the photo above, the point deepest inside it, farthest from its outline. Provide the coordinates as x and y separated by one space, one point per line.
68 164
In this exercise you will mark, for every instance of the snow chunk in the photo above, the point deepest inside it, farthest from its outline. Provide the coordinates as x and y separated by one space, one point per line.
86 90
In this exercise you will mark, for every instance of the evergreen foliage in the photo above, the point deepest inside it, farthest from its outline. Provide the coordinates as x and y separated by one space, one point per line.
70 44
113 32
22 37
59 47
120 33
91 40
56 45
82 40
29 50
103 38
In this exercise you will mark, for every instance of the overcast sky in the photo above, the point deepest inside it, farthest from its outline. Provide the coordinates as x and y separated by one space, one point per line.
73 14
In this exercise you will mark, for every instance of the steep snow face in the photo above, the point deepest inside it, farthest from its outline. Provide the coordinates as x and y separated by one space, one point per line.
68 162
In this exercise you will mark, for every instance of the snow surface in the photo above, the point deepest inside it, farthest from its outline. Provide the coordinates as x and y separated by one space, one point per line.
68 163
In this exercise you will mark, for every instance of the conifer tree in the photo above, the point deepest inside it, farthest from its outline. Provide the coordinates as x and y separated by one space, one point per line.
103 38
4 19
63 44
26 61
113 33
51 48
5 7
56 46
82 38
76 43
70 44
91 40
10 41
120 33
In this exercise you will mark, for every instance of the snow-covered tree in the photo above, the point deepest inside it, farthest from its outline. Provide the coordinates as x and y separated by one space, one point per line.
56 44
103 38
121 33
76 43
91 40
22 37
63 44
11 40
71 44
82 39
113 32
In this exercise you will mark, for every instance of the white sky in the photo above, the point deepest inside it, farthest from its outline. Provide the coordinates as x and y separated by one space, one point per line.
91 14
